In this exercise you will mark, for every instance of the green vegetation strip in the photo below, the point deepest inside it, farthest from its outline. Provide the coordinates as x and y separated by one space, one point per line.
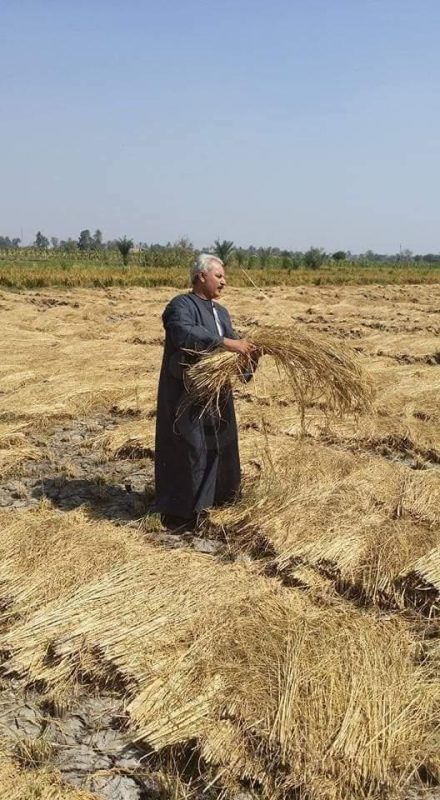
29 277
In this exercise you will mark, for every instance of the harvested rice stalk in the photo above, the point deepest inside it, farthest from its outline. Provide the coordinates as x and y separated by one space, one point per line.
45 554
36 784
315 368
14 448
421 582
210 378
274 689
367 524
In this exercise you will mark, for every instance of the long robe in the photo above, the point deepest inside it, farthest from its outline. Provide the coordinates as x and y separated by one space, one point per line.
197 463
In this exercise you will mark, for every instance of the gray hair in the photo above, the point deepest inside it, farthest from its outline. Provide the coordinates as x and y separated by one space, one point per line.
205 262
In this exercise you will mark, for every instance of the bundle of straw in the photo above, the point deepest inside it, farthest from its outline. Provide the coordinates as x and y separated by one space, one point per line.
365 523
323 699
36 784
315 368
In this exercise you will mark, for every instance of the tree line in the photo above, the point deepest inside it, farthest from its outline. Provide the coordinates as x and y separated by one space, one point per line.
244 257
86 243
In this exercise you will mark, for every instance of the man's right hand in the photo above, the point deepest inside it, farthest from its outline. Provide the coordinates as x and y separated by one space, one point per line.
240 346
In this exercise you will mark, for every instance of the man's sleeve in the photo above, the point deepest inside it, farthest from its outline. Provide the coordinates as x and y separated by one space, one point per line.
178 320
230 333
247 373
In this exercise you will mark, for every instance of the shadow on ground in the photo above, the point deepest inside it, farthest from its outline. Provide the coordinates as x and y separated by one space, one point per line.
108 501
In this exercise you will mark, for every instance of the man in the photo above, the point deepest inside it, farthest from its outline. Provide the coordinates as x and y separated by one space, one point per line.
197 462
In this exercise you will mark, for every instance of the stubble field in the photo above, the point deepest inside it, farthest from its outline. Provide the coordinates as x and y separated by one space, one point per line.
291 649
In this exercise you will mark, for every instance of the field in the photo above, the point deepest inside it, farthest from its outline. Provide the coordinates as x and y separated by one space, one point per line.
292 649
28 268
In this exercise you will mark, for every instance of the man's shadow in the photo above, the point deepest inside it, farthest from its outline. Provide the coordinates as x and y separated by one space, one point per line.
103 500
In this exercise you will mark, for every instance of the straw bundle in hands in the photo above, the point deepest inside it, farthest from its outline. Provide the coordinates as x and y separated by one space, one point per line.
314 366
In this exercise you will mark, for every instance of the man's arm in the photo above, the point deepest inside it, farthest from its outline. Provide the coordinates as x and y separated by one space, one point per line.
178 320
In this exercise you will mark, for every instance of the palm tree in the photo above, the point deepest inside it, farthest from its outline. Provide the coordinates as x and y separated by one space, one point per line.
124 246
240 256
265 254
286 259
314 258
223 250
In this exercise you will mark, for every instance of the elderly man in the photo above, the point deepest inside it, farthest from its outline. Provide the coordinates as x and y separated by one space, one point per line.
197 462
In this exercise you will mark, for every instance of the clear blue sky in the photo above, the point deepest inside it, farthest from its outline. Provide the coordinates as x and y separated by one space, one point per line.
270 123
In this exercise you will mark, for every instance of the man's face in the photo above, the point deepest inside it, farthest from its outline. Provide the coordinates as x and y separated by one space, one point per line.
213 282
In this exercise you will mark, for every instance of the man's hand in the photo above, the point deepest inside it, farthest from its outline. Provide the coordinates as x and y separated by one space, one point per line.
240 346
